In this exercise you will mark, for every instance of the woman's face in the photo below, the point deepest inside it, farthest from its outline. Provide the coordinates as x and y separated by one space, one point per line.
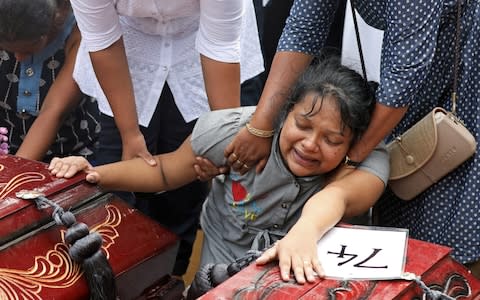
315 143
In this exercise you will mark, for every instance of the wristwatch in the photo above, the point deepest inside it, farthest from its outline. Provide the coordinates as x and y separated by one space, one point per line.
350 162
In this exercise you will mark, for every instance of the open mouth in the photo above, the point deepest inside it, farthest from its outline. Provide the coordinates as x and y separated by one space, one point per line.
302 159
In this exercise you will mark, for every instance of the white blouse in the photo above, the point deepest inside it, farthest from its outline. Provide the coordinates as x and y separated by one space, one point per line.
163 39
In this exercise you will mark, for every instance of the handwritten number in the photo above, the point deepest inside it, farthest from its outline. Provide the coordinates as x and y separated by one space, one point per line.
361 264
342 254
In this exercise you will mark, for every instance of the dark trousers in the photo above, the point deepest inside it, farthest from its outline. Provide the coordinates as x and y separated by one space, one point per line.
178 210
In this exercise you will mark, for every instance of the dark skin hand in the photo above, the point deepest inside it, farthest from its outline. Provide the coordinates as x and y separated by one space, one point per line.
206 170
384 119
248 150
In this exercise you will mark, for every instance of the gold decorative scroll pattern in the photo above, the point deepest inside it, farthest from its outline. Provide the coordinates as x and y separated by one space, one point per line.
18 181
54 270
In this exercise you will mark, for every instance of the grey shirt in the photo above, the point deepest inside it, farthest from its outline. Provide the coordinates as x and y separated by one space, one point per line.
240 206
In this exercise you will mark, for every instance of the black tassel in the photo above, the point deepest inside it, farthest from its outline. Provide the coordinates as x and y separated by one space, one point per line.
100 277
85 249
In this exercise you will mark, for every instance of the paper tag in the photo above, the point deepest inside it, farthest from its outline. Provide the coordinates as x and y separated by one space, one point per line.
362 252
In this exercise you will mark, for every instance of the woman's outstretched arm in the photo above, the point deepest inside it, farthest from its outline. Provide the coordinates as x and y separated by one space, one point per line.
173 170
347 196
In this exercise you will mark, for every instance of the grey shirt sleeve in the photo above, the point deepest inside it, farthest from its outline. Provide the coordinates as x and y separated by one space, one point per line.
378 163
216 129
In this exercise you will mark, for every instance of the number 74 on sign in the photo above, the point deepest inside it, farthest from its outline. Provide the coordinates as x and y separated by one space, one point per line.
363 252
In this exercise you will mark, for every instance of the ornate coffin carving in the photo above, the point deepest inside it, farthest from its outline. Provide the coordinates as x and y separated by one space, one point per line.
34 259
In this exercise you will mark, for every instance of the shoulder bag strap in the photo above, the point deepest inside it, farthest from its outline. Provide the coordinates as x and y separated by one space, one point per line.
357 35
454 96
457 58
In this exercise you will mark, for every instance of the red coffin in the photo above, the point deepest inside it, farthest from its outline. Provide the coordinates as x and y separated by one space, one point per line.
432 262
34 260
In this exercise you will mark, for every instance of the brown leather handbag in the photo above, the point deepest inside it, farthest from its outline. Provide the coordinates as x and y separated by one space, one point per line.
427 151
433 147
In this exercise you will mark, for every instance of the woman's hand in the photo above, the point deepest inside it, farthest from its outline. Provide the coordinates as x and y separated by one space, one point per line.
296 252
67 167
206 170
246 151
135 146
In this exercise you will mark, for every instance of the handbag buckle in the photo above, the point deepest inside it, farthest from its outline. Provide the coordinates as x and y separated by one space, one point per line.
455 118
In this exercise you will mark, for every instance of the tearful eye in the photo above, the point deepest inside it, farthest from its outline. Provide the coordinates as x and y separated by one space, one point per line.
333 142
301 125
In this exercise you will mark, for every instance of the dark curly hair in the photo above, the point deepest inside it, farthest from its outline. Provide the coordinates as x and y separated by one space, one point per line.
27 19
355 97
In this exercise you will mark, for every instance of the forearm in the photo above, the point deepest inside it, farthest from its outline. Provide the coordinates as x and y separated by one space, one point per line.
347 196
222 83
111 69
133 175
40 136
285 70
44 129
358 190
384 119
173 170
321 212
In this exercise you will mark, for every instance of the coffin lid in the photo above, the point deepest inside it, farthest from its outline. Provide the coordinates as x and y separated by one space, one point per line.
18 216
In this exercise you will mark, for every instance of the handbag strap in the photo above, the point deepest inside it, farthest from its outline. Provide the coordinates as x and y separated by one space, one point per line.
359 44
456 63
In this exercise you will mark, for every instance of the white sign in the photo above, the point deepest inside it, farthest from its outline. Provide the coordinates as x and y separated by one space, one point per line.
362 252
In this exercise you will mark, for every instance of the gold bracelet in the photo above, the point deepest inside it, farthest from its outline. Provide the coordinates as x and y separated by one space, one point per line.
259 132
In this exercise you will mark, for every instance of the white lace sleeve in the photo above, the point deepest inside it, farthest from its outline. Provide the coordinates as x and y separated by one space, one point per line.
98 22
220 28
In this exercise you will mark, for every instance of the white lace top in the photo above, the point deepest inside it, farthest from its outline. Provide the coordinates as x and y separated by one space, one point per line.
163 39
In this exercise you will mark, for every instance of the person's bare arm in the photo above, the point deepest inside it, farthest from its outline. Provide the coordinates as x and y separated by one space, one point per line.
111 69
222 83
61 98
172 170
285 70
383 121
350 195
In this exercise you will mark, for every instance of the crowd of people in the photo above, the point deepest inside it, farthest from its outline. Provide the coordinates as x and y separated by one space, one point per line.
160 89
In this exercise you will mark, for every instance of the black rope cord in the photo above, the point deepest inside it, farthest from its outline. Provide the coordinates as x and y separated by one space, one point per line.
210 275
85 248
